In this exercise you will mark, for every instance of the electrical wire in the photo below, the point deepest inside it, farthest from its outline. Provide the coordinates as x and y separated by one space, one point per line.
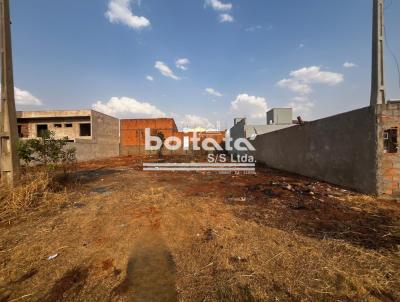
392 53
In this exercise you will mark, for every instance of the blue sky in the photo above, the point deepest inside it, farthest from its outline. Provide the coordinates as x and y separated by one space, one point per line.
242 57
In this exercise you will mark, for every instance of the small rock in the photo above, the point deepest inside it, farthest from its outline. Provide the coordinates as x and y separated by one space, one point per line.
287 187
237 259
270 193
298 205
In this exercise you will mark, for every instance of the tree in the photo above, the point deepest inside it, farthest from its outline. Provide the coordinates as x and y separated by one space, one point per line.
48 151
162 138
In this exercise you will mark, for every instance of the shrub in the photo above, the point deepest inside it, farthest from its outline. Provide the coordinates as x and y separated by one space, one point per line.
48 151
162 138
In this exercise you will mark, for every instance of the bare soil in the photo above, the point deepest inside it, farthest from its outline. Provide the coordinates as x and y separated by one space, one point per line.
121 234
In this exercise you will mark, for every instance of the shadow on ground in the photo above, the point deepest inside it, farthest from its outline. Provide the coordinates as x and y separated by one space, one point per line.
69 286
150 273
87 176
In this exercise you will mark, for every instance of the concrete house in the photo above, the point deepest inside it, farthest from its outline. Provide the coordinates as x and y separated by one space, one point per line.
93 134
276 119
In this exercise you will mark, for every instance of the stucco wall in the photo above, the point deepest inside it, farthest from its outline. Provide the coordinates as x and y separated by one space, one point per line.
89 150
105 129
340 149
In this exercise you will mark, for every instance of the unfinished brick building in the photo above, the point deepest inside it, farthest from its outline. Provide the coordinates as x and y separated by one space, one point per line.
133 135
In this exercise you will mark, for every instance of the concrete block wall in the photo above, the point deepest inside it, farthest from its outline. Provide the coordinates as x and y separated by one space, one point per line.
340 149
105 128
388 164
104 142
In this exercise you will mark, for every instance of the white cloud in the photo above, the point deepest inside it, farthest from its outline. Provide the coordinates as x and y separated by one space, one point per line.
295 86
212 91
182 63
218 5
165 70
300 99
349 65
300 80
25 98
249 106
221 7
302 106
190 121
120 11
226 18
127 107
314 74
149 78
301 45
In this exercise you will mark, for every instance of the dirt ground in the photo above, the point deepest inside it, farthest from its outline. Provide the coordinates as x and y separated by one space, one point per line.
122 234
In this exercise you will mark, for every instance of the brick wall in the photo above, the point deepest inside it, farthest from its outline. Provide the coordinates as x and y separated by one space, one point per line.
133 135
388 164
133 130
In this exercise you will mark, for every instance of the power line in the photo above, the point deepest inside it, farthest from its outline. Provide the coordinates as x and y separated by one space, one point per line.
392 53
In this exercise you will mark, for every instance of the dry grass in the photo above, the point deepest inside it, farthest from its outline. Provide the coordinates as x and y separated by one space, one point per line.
223 258
130 234
35 189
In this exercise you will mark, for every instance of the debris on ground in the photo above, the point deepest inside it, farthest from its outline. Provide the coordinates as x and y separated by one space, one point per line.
298 205
210 234
52 257
236 199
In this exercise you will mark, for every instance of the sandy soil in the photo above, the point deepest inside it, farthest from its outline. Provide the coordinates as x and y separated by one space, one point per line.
128 235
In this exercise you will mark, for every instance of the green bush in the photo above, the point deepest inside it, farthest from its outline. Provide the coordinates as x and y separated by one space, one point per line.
48 151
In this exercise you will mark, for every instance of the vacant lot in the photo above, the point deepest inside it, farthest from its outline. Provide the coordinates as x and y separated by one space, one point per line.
121 234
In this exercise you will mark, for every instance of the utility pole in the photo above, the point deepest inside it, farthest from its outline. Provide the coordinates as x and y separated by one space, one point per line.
9 160
378 95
